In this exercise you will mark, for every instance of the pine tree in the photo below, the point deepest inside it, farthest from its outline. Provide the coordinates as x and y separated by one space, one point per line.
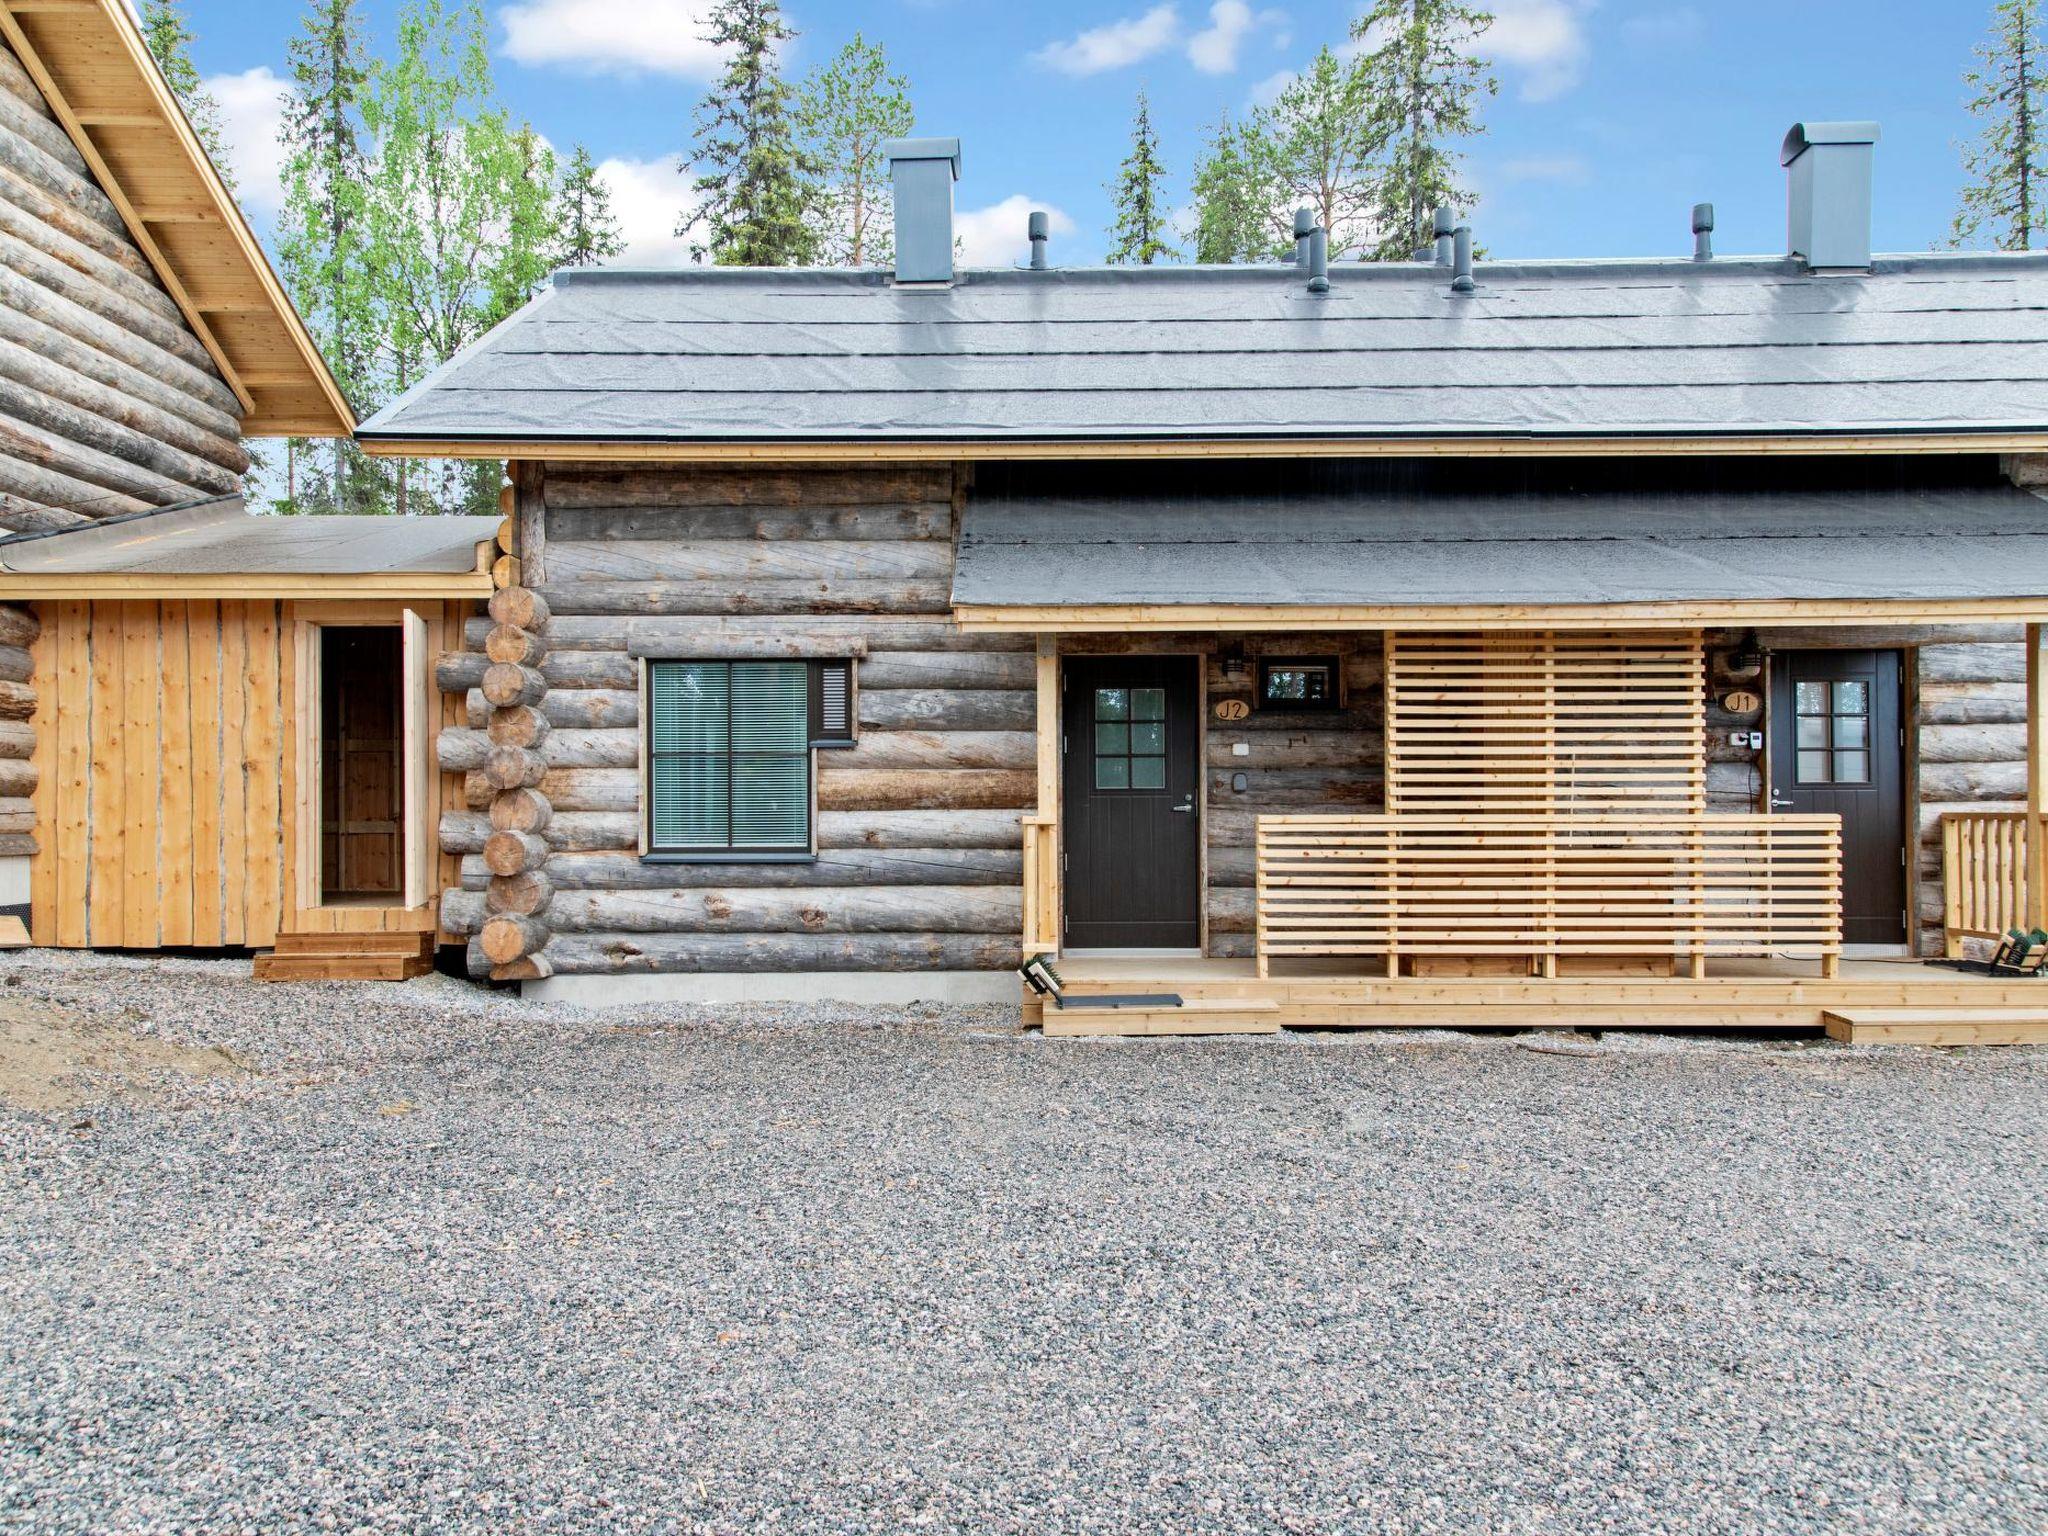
1424 84
586 231
1234 199
322 244
1322 141
170 42
1140 228
450 214
847 108
2006 164
757 193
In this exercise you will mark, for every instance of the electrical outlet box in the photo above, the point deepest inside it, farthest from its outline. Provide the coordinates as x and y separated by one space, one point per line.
1240 749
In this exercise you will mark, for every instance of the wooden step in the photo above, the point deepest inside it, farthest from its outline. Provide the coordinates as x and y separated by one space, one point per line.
404 942
1938 1026
1195 1016
341 967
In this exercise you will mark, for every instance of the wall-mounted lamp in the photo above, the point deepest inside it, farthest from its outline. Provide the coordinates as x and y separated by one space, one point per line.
1235 667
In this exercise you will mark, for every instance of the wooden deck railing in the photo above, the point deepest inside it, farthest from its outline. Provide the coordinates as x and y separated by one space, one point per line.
1041 885
1983 876
1689 887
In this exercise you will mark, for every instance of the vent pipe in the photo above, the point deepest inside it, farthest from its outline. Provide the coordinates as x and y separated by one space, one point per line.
923 172
1702 231
1304 226
1443 226
1827 193
1319 260
1461 260
1039 228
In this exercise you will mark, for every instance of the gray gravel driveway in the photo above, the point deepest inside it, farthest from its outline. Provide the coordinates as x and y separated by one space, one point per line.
429 1260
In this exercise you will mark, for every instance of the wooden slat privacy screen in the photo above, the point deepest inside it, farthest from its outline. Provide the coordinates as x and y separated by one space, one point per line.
1542 886
1983 875
1572 724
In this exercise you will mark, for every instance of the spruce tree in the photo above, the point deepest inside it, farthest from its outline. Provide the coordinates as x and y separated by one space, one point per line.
847 108
1140 228
322 243
1322 142
586 231
1234 199
757 191
2006 163
170 42
1424 83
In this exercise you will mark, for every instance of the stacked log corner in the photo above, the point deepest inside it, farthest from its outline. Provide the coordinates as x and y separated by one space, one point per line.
19 629
108 402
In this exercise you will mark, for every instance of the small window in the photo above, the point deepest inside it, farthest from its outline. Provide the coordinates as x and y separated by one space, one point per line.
1130 738
1832 732
1298 682
729 753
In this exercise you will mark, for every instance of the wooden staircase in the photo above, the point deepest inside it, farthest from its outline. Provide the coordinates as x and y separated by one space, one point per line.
347 957
1959 1025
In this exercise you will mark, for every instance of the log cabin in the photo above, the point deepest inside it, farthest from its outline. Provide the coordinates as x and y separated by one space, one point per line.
1601 642
215 729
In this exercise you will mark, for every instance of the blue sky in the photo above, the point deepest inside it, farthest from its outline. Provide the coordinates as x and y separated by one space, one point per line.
1614 116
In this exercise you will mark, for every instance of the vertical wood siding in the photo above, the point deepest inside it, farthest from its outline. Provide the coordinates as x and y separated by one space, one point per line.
159 820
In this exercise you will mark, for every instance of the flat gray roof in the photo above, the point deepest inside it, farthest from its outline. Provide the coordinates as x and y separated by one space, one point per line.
1541 350
221 538
1340 549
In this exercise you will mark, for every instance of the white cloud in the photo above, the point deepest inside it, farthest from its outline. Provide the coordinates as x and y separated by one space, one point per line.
251 113
1541 38
1268 90
645 36
648 196
997 236
1214 50
1115 46
1564 169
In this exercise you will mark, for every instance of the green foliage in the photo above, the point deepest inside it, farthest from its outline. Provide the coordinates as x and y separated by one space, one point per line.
1140 228
1234 197
2005 164
322 246
455 214
1424 86
756 191
586 232
1322 141
170 41
845 111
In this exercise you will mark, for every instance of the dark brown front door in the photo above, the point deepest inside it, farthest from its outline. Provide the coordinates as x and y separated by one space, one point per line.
1836 748
361 781
1131 792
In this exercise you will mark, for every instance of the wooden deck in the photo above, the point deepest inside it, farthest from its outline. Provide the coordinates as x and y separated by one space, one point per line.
1763 995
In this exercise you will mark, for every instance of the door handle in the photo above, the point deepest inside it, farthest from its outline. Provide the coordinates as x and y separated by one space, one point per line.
1183 810
1780 802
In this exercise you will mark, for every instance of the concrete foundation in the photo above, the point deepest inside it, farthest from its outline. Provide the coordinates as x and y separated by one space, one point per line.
880 988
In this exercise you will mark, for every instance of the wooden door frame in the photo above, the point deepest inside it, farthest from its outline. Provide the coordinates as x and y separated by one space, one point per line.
415 622
1052 697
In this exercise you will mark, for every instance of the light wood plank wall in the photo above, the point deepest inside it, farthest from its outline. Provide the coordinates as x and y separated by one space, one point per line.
108 403
168 777
920 843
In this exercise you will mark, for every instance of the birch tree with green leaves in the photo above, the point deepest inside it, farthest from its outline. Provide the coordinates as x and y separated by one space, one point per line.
323 246
586 231
757 183
1424 81
2005 163
1234 198
846 110
1139 234
1322 141
455 214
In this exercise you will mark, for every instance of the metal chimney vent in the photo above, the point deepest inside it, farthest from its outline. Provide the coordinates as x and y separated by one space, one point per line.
1827 171
1038 229
923 171
1702 231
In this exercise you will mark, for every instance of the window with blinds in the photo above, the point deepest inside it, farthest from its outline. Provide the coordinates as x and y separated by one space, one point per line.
729 752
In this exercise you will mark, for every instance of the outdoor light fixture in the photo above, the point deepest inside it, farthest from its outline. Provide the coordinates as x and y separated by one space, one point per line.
1234 665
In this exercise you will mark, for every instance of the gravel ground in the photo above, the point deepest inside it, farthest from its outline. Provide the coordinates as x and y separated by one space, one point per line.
424 1259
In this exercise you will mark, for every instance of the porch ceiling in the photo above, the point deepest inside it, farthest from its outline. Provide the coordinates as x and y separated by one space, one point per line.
1916 553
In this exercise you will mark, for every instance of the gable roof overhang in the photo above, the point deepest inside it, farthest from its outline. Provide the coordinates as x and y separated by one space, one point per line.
89 60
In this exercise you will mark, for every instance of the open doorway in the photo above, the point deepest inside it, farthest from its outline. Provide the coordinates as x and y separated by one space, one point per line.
362 774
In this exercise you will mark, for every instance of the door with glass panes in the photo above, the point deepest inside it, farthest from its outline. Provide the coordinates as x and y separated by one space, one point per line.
1837 747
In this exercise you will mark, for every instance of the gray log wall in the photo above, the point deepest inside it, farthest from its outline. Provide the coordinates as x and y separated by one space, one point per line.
920 848
108 403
